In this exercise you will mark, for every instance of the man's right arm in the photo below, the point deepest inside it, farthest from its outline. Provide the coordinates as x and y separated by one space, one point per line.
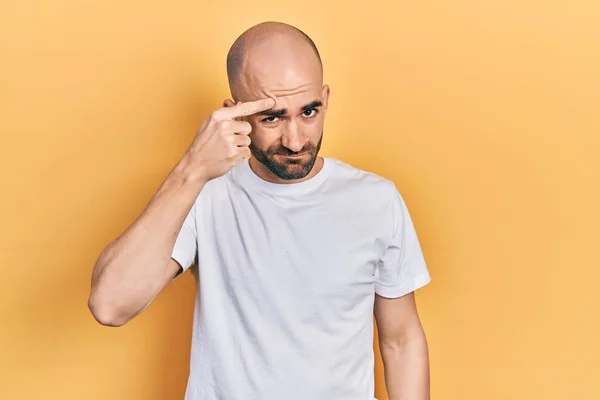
131 271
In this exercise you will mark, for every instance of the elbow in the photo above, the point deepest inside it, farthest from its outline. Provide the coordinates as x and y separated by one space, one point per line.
104 313
390 348
99 303
400 343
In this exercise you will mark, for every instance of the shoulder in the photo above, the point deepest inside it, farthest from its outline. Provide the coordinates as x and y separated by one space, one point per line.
348 176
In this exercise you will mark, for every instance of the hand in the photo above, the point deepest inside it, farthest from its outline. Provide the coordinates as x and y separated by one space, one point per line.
223 139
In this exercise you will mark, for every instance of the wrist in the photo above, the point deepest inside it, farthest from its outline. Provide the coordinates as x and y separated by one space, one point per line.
190 172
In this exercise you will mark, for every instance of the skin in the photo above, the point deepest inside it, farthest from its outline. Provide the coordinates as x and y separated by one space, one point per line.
286 139
279 64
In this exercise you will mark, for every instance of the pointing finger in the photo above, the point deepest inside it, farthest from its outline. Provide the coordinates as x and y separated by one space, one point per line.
246 109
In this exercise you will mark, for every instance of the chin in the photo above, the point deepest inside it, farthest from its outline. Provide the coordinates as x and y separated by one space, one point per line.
295 176
286 168
293 170
290 172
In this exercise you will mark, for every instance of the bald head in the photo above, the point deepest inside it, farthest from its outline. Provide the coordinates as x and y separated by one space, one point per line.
273 45
280 61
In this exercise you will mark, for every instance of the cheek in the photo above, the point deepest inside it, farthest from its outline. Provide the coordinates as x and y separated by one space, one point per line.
263 138
313 127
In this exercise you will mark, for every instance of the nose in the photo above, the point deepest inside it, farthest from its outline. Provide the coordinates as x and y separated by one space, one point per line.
291 137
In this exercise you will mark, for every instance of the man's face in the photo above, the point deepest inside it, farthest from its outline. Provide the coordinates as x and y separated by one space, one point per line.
287 138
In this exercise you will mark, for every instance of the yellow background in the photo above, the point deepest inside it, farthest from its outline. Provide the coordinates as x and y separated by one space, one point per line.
484 113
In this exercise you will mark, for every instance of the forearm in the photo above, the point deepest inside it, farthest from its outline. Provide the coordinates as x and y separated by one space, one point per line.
133 269
406 369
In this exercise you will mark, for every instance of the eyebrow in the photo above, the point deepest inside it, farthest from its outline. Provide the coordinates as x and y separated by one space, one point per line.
283 111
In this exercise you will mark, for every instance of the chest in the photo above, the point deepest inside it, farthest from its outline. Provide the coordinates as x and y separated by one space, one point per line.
319 244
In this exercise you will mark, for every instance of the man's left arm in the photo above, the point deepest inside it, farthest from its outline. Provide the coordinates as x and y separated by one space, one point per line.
403 347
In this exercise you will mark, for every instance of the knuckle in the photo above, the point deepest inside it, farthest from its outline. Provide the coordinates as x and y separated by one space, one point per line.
214 116
222 126
232 152
245 128
228 139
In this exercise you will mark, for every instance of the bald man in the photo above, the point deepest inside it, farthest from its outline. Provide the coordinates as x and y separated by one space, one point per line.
292 253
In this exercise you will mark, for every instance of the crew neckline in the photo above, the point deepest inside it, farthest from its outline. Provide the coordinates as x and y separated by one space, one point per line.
249 176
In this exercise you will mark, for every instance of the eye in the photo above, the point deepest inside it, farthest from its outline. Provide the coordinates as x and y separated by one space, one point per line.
310 113
270 120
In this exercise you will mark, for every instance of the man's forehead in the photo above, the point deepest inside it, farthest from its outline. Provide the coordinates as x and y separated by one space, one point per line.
284 81
285 96
282 77
293 100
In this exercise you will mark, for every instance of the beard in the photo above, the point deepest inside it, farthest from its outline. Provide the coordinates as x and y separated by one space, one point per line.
284 167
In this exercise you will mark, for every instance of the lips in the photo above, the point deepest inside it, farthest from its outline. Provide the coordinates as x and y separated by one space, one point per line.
293 155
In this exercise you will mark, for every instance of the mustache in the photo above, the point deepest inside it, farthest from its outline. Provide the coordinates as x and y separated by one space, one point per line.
286 152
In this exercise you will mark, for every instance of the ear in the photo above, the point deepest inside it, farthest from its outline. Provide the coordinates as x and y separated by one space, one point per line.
325 96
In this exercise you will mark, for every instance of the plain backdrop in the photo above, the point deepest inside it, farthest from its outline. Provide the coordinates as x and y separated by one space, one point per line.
486 115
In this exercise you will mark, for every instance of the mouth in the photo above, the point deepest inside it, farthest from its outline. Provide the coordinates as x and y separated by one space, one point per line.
293 155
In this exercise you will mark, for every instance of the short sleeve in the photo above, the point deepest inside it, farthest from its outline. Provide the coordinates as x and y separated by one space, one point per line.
186 244
402 268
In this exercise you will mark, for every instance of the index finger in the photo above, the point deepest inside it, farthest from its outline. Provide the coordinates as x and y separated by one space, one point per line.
246 109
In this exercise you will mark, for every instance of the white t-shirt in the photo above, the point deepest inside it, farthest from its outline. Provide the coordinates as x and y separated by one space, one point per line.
286 278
